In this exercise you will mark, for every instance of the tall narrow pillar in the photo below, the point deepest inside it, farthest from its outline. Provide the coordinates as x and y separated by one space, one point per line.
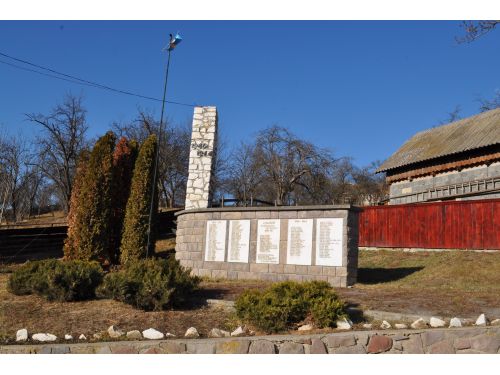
202 158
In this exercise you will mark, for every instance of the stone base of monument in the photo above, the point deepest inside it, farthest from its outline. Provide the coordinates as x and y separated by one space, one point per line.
271 243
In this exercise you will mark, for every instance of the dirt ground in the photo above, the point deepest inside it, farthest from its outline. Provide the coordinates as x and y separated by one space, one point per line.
448 284
37 315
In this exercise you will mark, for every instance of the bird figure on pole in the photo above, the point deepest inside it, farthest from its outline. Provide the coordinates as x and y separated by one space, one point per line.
174 41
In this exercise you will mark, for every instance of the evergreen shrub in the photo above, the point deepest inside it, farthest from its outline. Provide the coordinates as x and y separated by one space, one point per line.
288 303
90 230
71 280
150 284
135 226
124 158
71 243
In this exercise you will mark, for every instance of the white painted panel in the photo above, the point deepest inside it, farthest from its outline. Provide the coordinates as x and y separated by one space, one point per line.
215 243
329 242
299 243
239 241
268 241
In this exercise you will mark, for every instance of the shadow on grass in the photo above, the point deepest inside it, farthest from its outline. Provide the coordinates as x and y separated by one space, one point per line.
384 275
355 312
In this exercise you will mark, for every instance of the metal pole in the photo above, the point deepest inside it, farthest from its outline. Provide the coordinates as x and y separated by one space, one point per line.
153 195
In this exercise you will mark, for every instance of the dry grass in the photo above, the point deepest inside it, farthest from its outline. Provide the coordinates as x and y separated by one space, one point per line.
53 218
442 283
455 271
165 245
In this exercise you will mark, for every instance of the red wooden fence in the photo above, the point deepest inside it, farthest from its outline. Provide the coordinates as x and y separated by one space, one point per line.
471 224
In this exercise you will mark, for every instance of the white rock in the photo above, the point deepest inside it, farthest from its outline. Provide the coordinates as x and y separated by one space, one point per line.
455 322
385 325
152 334
44 337
97 336
481 320
344 324
168 334
68 337
135 335
217 333
240 331
191 332
436 322
368 325
419 324
400 326
305 327
114 332
22 335
82 337
495 322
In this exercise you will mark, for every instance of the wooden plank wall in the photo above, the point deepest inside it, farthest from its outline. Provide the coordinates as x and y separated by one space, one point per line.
471 224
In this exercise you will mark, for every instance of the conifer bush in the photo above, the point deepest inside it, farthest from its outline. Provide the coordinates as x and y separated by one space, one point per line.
150 284
71 242
285 304
71 280
135 227
123 167
92 218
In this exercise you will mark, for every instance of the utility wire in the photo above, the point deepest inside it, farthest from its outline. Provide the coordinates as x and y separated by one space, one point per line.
42 73
81 81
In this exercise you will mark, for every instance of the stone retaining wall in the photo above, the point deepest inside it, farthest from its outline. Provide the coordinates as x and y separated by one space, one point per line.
432 341
191 238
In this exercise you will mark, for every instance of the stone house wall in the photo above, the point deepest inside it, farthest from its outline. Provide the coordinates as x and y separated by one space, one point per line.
406 191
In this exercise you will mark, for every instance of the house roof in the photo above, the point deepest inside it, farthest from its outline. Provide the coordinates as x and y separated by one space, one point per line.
459 136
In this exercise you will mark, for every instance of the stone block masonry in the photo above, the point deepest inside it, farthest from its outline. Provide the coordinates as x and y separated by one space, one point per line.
323 243
436 341
201 158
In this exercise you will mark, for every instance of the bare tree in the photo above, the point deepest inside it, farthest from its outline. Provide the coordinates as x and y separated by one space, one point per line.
174 165
487 105
173 154
20 180
371 188
343 185
452 116
62 141
244 175
286 161
280 167
475 29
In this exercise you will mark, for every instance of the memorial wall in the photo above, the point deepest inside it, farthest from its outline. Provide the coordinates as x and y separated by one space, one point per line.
271 243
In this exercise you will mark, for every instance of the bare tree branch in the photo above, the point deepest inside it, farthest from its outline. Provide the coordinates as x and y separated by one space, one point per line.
475 29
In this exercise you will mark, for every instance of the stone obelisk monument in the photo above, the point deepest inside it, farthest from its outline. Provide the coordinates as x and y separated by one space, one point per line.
202 158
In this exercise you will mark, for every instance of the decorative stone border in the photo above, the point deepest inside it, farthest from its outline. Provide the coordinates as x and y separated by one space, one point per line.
431 341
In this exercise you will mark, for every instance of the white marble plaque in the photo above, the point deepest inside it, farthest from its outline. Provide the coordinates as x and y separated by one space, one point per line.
215 242
268 241
299 244
239 241
329 238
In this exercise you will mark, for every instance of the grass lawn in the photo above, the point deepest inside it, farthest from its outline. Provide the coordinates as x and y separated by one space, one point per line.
462 284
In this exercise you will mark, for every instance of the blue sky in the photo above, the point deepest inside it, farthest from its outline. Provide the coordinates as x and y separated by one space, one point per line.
360 88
